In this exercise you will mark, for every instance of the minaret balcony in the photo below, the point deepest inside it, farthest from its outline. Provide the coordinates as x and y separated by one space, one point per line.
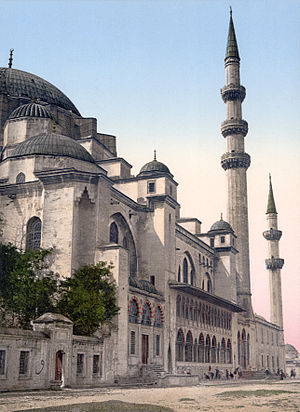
274 263
231 92
235 160
234 126
272 234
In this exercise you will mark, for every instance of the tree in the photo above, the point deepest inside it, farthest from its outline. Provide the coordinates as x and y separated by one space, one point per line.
88 298
27 286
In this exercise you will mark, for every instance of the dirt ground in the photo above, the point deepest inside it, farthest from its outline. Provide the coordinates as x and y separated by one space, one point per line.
271 396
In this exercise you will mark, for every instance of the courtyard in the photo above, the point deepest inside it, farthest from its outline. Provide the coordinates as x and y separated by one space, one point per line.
208 396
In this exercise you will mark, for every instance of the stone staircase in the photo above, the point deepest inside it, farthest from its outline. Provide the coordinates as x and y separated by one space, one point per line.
155 370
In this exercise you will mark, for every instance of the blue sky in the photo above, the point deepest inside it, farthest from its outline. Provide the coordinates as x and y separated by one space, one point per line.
151 73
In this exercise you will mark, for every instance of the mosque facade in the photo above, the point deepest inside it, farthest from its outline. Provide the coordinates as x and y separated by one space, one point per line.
184 295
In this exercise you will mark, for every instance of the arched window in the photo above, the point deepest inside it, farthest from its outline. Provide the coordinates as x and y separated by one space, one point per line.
146 316
229 352
183 308
201 348
158 318
191 309
244 350
189 347
185 271
179 345
113 233
187 308
223 351
213 349
33 233
192 275
218 353
178 304
196 312
133 312
179 274
20 178
248 349
195 350
207 349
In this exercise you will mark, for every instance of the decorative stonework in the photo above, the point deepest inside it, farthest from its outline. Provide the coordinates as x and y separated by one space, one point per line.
232 92
234 126
272 234
235 160
274 263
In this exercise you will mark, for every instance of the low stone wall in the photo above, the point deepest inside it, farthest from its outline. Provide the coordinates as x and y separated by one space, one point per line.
178 380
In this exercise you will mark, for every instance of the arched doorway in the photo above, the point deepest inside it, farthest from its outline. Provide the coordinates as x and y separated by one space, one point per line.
58 365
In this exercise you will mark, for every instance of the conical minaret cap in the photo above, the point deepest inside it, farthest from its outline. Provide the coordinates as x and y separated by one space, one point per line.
271 208
232 47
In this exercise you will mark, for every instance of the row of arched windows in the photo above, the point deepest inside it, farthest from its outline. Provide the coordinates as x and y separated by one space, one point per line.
202 349
202 313
243 348
146 318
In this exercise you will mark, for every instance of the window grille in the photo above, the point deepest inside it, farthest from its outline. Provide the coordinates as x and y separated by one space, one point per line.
24 360
133 312
33 233
20 178
80 358
132 342
146 316
157 345
151 187
113 233
2 361
158 319
96 364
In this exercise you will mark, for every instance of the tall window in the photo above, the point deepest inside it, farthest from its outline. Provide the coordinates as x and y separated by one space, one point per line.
207 349
24 361
96 364
151 187
33 233
223 350
179 274
80 358
189 347
113 233
185 271
201 348
133 312
229 352
146 316
213 349
178 304
132 342
2 362
158 318
157 345
179 346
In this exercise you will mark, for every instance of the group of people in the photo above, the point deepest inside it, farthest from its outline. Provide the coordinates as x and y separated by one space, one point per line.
237 373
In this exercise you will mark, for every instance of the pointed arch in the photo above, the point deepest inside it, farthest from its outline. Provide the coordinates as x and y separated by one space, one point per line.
179 345
229 352
223 351
185 270
33 233
158 318
189 347
146 314
133 312
207 349
213 349
201 348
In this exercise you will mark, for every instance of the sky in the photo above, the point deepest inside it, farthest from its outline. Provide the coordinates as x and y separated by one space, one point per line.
151 73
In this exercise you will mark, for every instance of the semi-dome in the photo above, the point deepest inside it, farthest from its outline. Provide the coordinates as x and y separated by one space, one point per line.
54 145
17 83
31 110
154 167
221 225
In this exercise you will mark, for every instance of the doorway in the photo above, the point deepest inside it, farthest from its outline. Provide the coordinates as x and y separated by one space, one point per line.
145 349
58 365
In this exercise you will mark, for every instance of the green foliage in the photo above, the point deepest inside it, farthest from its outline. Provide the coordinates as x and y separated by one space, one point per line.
27 286
88 298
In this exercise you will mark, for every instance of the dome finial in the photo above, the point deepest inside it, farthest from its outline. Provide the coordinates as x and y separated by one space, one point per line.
154 155
221 216
10 58
230 11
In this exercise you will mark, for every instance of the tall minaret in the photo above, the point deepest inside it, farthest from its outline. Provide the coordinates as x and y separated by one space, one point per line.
274 263
235 162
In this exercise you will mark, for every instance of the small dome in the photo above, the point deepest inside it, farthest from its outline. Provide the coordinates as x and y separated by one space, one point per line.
221 225
154 167
31 110
50 317
290 348
54 145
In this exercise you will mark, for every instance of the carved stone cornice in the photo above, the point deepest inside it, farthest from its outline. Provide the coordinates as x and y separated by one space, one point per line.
234 126
272 234
274 263
235 160
232 92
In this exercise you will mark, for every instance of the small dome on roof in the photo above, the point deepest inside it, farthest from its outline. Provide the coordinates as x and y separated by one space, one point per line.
154 167
54 145
221 225
31 110
290 348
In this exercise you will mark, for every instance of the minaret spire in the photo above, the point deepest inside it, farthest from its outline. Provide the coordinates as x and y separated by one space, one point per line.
10 58
232 46
274 263
235 162
271 208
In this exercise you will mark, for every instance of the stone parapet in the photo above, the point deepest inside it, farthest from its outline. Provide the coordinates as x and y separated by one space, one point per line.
232 92
235 160
234 126
274 263
272 234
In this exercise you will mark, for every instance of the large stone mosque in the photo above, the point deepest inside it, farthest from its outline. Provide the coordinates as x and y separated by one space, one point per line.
184 296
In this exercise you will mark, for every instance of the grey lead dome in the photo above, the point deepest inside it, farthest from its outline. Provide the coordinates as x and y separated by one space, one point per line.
54 145
154 166
17 83
221 225
31 110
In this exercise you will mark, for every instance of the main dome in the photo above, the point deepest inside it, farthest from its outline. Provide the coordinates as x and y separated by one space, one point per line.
18 83
52 144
